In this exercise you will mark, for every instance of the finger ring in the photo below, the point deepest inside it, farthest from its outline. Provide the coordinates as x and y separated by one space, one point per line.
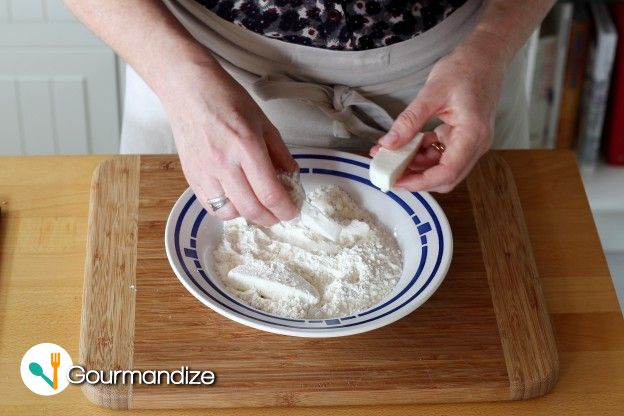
438 146
218 202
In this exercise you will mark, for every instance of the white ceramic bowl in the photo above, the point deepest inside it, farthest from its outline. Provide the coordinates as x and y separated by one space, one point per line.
417 221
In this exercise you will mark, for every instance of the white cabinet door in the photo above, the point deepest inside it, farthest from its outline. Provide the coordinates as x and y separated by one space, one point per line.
58 83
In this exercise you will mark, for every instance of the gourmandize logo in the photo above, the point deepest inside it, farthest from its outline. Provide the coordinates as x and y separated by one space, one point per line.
55 361
44 369
47 369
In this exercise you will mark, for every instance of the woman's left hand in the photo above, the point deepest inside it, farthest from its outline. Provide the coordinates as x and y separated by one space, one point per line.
462 91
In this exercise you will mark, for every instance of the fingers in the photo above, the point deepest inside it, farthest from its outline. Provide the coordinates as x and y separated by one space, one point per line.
267 187
426 156
241 194
429 156
459 157
251 184
409 122
439 178
211 188
278 151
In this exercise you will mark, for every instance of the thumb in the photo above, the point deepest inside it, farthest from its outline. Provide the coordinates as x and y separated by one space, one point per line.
411 121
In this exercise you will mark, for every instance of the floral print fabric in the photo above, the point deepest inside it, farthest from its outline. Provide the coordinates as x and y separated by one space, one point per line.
340 25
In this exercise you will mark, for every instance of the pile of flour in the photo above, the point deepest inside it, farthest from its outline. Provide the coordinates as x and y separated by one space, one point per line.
292 271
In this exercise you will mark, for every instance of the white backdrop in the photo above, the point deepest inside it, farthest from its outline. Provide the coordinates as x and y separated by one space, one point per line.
59 85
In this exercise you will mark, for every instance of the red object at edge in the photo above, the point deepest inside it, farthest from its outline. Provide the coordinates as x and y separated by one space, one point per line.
614 137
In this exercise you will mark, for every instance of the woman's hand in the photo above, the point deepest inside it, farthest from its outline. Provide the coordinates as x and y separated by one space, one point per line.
462 91
227 145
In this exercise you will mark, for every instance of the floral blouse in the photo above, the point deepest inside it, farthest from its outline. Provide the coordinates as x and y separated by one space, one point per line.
340 25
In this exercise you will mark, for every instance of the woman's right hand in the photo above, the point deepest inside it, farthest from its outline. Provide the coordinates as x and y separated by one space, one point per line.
227 145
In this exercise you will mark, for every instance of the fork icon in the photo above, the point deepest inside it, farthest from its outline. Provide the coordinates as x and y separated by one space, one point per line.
55 361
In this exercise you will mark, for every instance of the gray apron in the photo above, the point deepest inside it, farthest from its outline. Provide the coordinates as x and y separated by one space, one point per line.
320 97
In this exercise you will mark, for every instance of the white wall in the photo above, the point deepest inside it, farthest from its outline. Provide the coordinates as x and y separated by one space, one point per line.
58 83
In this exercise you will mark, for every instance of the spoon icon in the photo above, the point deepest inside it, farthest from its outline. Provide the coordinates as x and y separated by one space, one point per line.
38 371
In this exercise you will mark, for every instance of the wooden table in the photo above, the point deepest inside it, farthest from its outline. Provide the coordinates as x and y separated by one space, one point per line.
44 202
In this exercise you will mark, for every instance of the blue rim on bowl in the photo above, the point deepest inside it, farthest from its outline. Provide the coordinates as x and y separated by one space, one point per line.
417 220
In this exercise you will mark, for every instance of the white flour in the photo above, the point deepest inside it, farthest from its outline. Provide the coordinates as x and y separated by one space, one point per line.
291 271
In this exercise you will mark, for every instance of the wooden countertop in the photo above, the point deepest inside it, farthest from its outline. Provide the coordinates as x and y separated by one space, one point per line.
44 203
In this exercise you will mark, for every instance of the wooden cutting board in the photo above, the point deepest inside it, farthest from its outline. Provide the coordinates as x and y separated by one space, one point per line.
484 335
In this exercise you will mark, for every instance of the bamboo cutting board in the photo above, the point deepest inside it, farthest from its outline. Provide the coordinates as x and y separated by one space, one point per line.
484 335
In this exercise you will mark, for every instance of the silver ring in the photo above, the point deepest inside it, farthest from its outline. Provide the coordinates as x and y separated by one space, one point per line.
218 202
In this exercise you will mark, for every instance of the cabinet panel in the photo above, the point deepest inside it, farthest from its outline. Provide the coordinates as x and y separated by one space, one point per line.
59 101
56 11
34 100
10 119
26 10
71 120
4 10
58 83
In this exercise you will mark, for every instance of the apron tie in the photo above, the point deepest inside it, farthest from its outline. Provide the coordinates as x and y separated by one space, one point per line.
355 113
